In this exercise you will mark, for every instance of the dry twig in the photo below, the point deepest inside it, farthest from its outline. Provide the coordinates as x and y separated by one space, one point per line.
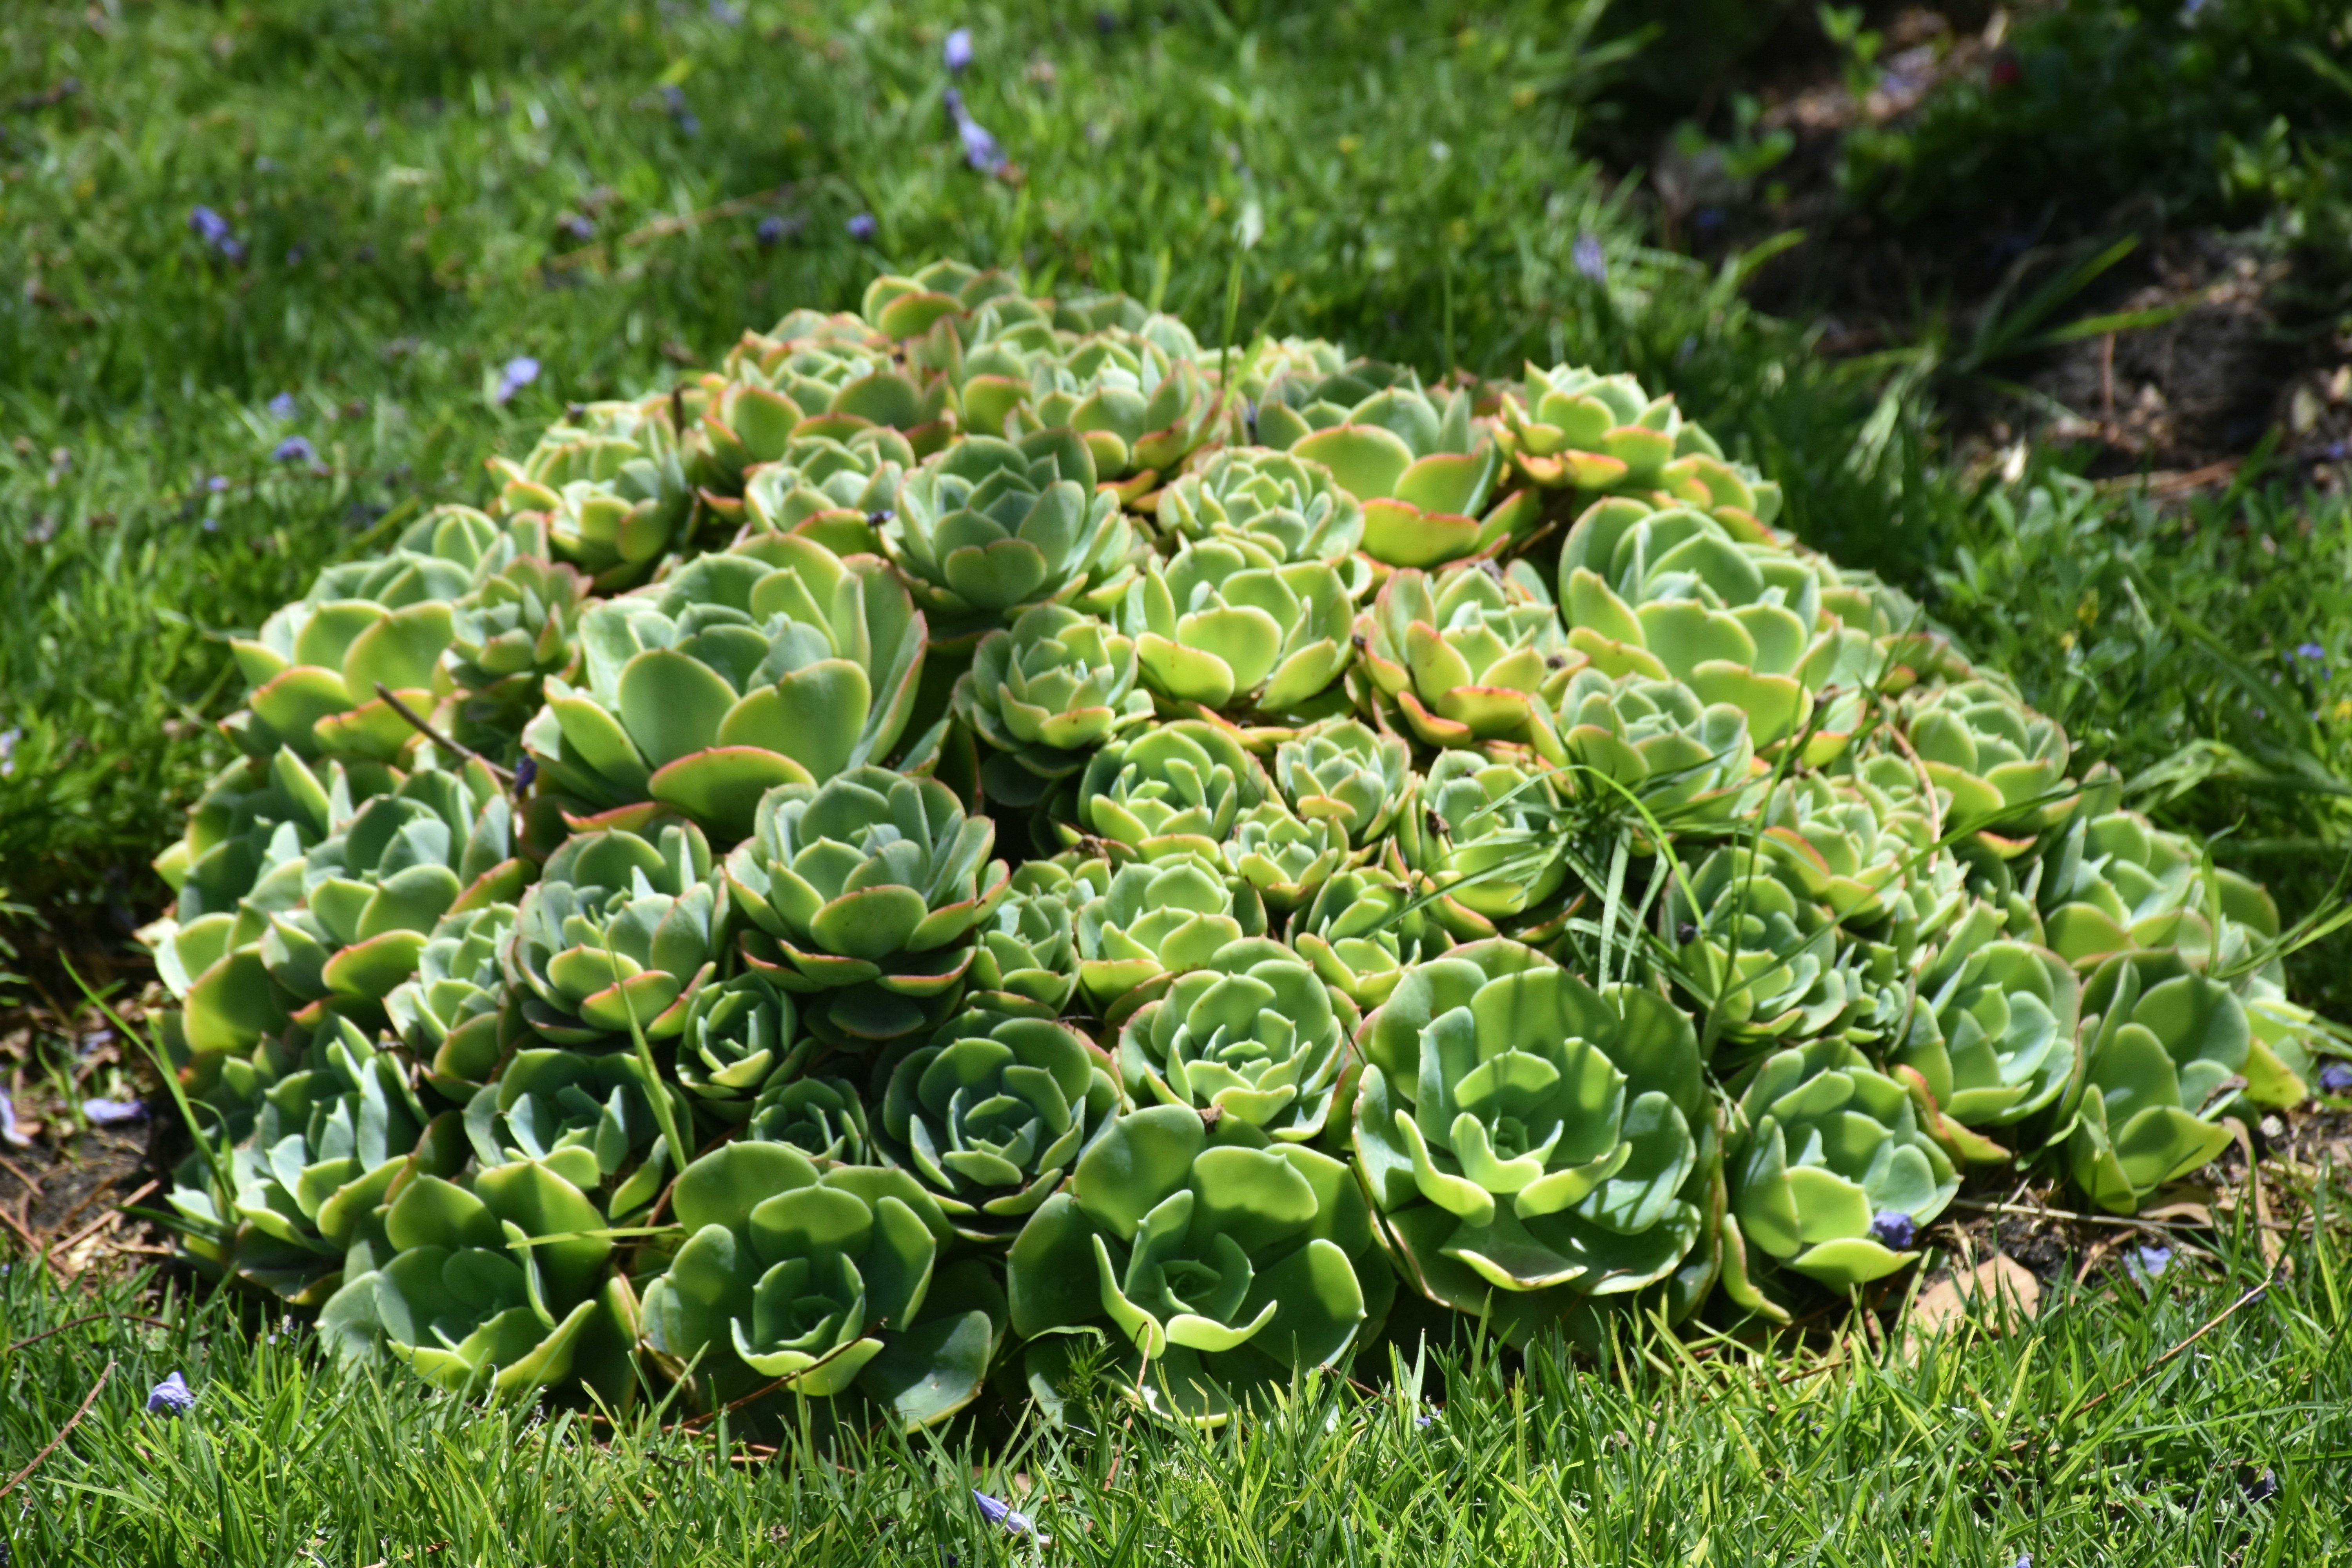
63 1432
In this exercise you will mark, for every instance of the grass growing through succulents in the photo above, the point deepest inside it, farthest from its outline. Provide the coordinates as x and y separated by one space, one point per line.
1987 1450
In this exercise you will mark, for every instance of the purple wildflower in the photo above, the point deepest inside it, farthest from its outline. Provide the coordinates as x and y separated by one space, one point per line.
1587 256
217 483
2311 650
172 1396
2335 1078
725 14
283 406
208 225
112 1112
675 98
957 52
862 228
578 227
10 1133
8 739
294 449
2154 1260
982 150
518 373
1894 1229
525 772
1005 1514
773 231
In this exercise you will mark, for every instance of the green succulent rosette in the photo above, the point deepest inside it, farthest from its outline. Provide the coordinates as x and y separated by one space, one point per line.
1672 594
1225 624
1361 933
253 815
1831 1173
373 890
500 1283
1572 427
771 392
2003 764
1212 1268
2114 882
610 486
1043 694
1026 952
1344 773
1691 762
815 1284
506 637
2163 1053
588 1118
861 895
1174 789
1839 847
1253 1037
1756 952
777 662
833 492
456 1014
618 935
1526 1139
1287 506
1993 1039
989 528
824 1118
990 1114
1463 657
1424 475
330 1138
1137 398
1478 835
1154 919
314 668
1286 858
738 1037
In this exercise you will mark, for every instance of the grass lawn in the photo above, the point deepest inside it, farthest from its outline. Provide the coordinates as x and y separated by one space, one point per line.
268 262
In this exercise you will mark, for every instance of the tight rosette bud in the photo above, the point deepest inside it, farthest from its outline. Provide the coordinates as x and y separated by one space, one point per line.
1176 789
610 485
1026 955
1827 1146
1045 694
1218 1269
1281 503
1361 933
1224 624
989 528
618 934
1341 771
738 1038
826 1281
1690 762
2163 1053
862 895
1465 655
1754 951
1521 1133
456 1016
1254 1037
1481 833
834 493
991 1114
1153 920
2003 764
776 663
824 1118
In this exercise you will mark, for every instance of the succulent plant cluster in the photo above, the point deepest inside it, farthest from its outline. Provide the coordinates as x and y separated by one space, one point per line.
979 837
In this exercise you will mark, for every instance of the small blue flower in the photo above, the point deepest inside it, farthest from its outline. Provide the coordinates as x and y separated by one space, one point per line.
2025 1560
2154 1260
2335 1078
1588 258
518 372
578 227
295 449
526 771
725 14
1005 1514
776 228
217 483
283 406
981 150
112 1112
957 52
10 1133
862 228
8 739
172 1396
208 225
2311 650
1894 1229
